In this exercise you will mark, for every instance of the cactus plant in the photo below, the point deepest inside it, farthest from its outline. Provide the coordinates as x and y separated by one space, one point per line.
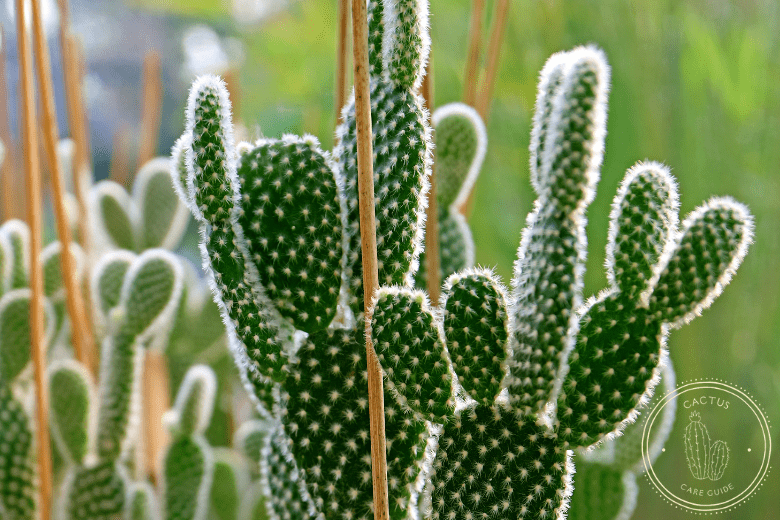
544 373
461 145
280 228
93 428
188 463
149 217
606 486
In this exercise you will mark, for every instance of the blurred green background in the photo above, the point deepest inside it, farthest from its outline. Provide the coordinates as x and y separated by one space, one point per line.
694 84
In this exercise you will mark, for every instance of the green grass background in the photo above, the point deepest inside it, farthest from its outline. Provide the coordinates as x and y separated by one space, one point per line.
694 84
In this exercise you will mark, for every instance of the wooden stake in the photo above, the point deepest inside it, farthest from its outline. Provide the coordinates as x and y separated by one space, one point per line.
83 342
231 78
341 59
7 169
78 132
432 251
120 156
376 398
493 58
151 110
471 77
35 217
156 401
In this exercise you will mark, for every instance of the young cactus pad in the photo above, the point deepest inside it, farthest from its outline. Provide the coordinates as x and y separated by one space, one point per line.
151 216
544 373
281 244
461 144
93 428
188 463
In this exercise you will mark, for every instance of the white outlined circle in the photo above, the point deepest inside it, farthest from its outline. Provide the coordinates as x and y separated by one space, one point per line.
742 495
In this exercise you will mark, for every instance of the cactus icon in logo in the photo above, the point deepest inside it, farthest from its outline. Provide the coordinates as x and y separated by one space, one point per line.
706 459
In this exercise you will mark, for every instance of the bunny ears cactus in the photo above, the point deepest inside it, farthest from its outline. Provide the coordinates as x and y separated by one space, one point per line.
151 216
281 242
93 427
544 373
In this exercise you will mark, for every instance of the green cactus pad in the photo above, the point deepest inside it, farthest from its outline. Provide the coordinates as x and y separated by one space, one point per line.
475 325
602 493
711 245
97 492
327 421
6 262
497 463
53 283
17 466
249 439
413 357
294 231
456 247
194 405
461 144
287 497
150 293
17 235
230 481
15 332
547 284
72 403
108 276
142 503
187 473
402 153
163 216
113 223
253 504
644 215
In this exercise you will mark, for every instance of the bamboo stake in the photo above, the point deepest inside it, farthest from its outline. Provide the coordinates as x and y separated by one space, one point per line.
35 217
493 57
432 250
78 132
120 156
156 401
376 405
231 78
151 107
471 77
7 169
83 342
341 58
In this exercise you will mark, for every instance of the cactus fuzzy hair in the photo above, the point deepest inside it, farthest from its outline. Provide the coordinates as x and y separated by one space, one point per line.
544 373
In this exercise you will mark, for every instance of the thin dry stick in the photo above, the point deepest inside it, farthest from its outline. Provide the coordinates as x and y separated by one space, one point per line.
76 118
10 203
151 107
493 58
471 76
376 397
156 401
120 155
341 58
231 78
35 217
432 251
83 342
